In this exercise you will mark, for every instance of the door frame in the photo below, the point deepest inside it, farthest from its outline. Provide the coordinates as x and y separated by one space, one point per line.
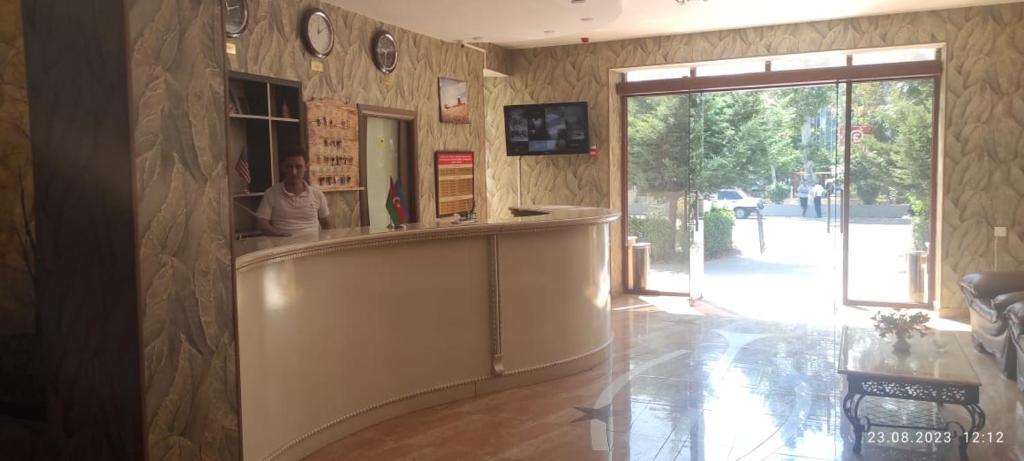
769 79
929 301
408 170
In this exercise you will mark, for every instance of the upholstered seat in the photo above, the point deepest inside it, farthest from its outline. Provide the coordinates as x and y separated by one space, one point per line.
1015 316
989 294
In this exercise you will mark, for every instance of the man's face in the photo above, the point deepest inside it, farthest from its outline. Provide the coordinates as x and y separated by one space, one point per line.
294 168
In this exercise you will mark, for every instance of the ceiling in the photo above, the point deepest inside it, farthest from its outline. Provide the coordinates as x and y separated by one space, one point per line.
536 23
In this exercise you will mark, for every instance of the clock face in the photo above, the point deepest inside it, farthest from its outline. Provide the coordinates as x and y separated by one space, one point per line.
236 17
385 52
319 33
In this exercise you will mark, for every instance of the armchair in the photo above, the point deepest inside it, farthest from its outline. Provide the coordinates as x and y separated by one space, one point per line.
989 294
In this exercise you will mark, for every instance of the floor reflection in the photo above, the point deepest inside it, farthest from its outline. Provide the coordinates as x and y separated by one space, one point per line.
680 386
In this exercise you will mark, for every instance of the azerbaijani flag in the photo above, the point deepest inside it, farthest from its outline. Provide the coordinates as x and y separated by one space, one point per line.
394 204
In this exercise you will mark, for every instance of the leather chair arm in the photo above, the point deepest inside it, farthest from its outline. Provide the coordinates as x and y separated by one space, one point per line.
1016 313
991 284
1003 301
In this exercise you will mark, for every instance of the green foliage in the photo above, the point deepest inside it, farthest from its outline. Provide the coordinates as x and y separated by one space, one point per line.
778 192
658 232
659 143
867 190
718 224
741 139
897 155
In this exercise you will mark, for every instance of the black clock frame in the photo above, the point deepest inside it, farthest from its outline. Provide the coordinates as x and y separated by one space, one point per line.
245 19
381 66
305 32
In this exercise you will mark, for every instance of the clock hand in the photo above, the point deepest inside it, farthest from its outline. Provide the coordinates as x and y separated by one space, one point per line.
234 7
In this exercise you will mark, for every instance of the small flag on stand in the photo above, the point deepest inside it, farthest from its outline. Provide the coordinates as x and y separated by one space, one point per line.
394 204
242 168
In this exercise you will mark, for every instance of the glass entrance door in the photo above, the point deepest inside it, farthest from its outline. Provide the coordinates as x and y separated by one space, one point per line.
890 174
659 199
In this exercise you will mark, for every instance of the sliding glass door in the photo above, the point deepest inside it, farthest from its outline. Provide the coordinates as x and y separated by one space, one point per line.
890 182
660 199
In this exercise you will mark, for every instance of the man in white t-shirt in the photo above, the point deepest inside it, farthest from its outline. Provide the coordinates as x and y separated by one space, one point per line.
817 192
293 206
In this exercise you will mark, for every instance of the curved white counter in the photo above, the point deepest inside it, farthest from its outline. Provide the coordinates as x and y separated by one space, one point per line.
344 329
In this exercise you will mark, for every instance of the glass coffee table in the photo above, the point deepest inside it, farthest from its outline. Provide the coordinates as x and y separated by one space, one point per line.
936 370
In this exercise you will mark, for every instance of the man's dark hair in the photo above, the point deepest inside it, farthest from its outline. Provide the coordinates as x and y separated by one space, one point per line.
293 153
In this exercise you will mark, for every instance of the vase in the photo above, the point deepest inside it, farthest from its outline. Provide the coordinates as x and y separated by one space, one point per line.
901 346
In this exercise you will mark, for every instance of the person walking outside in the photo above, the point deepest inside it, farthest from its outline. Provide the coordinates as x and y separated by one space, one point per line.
817 192
801 193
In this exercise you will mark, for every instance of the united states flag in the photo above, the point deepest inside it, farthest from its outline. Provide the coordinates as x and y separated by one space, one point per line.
242 167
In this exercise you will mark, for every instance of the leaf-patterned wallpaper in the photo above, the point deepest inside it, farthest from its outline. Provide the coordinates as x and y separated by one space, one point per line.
271 46
982 139
190 378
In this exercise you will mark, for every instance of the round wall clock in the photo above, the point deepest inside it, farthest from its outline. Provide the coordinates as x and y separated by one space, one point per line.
384 51
318 33
236 17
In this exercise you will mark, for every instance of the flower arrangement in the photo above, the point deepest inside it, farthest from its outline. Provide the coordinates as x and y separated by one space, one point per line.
900 324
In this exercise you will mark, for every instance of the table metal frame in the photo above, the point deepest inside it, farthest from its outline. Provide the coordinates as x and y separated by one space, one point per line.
860 386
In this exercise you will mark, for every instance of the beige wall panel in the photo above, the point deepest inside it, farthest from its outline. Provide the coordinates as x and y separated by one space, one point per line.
554 290
321 337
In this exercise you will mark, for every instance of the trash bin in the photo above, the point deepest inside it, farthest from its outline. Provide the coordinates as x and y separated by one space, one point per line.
916 274
630 241
641 264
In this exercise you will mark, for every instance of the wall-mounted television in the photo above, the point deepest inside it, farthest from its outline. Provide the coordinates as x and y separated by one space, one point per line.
543 129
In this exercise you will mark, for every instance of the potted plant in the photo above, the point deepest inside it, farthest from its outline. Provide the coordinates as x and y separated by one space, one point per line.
901 325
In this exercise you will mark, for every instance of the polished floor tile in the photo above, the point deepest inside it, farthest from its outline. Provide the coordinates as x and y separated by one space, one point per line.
687 386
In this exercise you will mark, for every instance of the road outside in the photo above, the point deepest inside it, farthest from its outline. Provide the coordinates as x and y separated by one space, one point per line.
799 276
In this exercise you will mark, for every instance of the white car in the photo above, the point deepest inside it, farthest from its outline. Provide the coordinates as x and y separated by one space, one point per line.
741 204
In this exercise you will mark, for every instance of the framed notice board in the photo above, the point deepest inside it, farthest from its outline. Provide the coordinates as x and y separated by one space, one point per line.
333 145
453 178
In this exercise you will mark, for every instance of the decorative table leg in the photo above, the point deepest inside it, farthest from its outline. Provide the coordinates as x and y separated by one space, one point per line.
977 422
850 404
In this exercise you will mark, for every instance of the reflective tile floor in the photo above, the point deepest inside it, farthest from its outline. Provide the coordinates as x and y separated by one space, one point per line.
683 386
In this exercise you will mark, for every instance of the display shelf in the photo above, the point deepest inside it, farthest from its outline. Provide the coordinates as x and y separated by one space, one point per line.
266 122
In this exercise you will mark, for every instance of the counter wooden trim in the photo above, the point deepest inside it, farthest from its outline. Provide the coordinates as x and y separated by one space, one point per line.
366 238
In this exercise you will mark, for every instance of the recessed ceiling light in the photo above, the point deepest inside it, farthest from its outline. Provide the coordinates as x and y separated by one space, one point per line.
586 19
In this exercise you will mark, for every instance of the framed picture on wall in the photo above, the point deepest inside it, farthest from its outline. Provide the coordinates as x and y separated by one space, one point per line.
453 97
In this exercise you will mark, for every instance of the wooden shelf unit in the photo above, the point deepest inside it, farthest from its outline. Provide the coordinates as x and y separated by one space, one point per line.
265 118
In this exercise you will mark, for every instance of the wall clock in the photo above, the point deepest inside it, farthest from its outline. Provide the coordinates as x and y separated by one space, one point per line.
384 51
236 17
318 33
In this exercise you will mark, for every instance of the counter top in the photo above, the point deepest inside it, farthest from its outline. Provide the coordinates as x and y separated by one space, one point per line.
257 250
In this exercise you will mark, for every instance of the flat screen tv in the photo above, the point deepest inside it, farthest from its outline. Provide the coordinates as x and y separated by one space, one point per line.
543 129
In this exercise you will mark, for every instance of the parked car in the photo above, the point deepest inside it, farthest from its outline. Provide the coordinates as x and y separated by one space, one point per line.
741 204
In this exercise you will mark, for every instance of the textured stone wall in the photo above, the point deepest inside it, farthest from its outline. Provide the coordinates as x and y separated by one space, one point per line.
16 312
272 46
186 285
982 156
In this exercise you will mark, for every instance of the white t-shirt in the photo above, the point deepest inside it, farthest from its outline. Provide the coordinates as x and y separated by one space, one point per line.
293 213
817 191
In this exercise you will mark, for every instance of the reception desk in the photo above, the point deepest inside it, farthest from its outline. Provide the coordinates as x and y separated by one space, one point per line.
347 328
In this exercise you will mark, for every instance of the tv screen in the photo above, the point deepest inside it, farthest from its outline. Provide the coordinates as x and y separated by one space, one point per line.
541 129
